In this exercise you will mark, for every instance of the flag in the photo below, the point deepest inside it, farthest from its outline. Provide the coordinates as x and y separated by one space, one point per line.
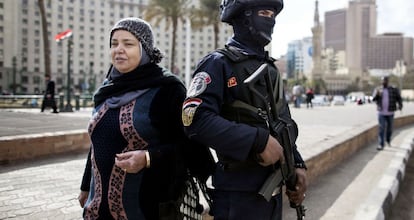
63 35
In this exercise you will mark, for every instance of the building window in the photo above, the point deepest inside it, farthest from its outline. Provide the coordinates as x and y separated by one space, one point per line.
24 79
36 79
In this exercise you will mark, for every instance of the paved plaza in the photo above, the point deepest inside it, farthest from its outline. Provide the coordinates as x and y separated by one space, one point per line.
48 188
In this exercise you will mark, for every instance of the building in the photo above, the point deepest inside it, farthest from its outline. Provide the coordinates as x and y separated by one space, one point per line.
361 26
335 30
385 49
354 31
299 58
21 42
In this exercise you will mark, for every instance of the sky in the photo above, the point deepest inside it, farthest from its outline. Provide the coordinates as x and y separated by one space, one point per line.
296 19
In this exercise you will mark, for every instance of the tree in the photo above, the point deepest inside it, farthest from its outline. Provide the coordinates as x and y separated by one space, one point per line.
207 14
46 46
172 11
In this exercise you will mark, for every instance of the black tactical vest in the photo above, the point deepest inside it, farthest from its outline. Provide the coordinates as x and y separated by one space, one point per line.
242 105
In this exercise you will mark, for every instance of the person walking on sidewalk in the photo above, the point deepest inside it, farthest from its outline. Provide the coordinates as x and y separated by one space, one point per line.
134 169
49 95
309 97
221 112
388 100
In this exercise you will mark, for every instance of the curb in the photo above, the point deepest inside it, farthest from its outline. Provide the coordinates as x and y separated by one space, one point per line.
379 203
320 159
15 149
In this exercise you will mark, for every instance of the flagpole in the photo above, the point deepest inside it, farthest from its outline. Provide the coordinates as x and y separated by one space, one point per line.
58 38
68 107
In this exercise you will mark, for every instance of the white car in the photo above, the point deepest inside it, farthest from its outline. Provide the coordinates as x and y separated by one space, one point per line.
338 100
320 100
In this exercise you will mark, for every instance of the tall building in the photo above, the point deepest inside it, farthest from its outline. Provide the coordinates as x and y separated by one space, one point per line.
354 31
21 41
335 29
299 59
361 26
385 49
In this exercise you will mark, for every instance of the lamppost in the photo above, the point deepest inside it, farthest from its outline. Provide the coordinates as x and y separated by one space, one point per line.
400 71
58 38
14 75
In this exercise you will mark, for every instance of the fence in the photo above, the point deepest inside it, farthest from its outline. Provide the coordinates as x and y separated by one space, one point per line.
35 101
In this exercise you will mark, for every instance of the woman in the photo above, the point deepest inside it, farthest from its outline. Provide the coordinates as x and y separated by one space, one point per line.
134 169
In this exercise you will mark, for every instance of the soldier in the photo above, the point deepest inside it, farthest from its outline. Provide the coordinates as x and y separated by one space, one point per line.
221 112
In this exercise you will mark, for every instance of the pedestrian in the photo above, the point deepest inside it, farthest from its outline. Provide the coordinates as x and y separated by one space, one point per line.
49 95
297 92
222 112
309 97
134 168
388 100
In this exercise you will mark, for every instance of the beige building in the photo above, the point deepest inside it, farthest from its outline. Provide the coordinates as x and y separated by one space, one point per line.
384 50
354 31
361 25
21 41
335 29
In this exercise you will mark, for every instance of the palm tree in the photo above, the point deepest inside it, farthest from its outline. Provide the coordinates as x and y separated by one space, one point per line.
46 47
172 11
207 14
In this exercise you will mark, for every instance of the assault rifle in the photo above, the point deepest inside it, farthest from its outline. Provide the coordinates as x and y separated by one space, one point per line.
279 128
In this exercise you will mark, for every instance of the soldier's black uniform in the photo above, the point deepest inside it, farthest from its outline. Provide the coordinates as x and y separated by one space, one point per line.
222 113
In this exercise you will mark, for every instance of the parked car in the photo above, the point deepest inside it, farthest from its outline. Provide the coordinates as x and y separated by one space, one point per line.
320 100
338 100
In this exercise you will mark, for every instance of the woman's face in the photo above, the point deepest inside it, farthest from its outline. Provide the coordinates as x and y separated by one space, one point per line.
125 51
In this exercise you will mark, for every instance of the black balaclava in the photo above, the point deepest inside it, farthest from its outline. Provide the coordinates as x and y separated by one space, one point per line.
252 29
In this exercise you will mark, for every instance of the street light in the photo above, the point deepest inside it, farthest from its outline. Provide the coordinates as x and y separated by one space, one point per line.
58 38
401 72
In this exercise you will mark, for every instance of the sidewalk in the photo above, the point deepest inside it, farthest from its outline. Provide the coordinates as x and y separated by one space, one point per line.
32 121
48 188
364 186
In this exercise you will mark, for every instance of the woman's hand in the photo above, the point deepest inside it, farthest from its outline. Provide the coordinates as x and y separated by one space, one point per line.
131 161
83 197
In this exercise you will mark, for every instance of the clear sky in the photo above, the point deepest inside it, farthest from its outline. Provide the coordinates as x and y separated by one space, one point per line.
296 19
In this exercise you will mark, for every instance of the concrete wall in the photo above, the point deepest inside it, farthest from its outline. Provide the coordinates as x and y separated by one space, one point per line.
24 147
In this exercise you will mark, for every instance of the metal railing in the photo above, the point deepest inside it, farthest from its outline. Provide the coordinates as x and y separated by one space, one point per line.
35 101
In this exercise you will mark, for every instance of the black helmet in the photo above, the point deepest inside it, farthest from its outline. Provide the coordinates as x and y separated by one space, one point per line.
230 8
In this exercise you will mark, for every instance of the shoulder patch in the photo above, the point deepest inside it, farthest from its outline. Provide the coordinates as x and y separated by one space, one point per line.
198 84
189 108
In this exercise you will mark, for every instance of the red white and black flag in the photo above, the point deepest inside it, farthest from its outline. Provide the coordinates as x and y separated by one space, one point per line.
63 35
